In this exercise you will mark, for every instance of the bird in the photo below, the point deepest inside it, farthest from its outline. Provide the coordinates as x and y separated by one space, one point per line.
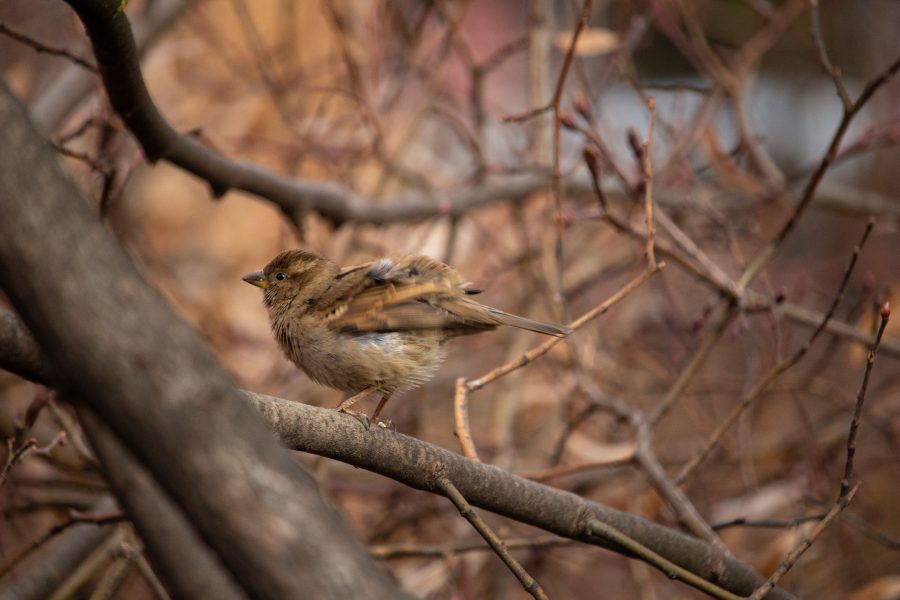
375 328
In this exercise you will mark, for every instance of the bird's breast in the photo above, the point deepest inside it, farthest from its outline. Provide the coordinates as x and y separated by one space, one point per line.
353 361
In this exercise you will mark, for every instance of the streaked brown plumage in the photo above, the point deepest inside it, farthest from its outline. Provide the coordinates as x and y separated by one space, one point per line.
373 328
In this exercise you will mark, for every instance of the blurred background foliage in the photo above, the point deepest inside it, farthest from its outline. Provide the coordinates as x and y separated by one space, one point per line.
406 100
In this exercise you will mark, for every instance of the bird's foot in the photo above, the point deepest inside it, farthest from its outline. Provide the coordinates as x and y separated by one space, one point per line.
359 416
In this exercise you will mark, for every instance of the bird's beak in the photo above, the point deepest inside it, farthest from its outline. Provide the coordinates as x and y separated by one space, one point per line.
257 278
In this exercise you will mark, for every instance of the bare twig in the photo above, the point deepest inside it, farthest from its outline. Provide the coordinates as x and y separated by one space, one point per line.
696 361
627 457
809 192
778 369
477 384
684 509
115 573
43 48
553 104
815 31
798 550
891 542
557 188
461 420
673 571
885 314
465 509
146 571
695 262
767 523
95 165
389 552
17 455
648 184
14 456
74 518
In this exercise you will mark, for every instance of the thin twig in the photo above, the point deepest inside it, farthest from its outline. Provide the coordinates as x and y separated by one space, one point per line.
17 455
764 255
14 456
75 437
75 518
815 31
465 509
583 18
605 531
461 420
891 542
696 362
885 314
710 274
146 571
648 184
94 164
684 509
477 384
571 425
626 458
767 523
394 551
557 189
778 369
114 574
42 48
707 271
798 550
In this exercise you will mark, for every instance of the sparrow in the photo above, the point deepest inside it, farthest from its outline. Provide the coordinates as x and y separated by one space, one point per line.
376 328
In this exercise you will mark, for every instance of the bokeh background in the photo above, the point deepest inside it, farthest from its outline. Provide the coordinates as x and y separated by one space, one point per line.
406 101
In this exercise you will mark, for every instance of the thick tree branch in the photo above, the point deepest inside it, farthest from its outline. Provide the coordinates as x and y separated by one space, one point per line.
72 84
181 558
413 462
115 50
113 341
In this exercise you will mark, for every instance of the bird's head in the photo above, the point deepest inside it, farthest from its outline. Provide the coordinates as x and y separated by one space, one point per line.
294 280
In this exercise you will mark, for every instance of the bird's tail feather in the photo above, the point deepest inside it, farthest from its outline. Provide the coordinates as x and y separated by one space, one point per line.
506 318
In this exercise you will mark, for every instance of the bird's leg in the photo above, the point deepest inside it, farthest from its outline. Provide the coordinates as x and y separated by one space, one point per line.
381 403
344 406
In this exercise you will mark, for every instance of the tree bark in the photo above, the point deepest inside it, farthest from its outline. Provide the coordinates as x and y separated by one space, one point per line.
112 341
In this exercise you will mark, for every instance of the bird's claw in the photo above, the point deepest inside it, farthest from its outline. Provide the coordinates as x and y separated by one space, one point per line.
367 421
359 416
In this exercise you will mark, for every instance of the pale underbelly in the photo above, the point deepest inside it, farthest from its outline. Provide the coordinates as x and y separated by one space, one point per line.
388 362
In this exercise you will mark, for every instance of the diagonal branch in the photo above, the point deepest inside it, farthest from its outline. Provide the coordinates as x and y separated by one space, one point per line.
411 461
114 47
528 582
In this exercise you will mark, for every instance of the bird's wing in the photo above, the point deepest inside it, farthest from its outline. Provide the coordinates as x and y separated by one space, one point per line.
413 293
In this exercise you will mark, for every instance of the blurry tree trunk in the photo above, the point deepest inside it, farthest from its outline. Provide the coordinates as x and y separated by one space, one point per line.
113 343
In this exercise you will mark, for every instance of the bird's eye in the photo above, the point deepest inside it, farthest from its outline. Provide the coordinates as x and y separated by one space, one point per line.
280 276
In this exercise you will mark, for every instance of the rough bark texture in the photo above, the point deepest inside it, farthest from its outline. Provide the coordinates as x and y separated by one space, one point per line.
181 558
112 341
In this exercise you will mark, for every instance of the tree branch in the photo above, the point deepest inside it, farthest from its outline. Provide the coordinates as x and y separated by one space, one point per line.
72 84
411 461
184 562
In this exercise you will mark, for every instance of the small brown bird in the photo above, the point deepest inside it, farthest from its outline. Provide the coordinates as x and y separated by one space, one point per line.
374 328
